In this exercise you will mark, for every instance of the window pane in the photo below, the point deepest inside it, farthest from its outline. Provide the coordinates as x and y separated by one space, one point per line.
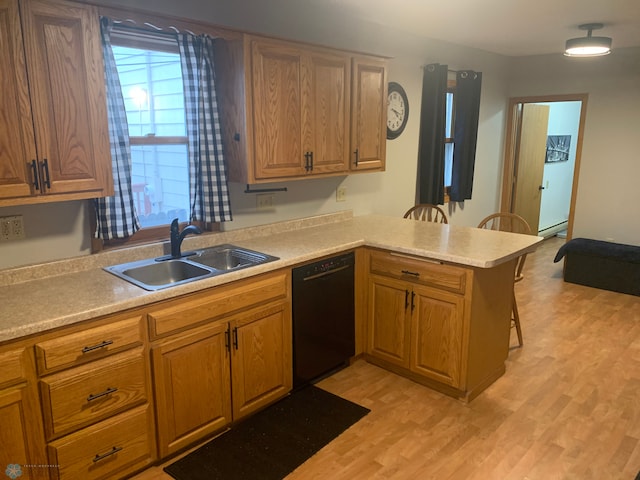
152 89
448 127
448 163
160 180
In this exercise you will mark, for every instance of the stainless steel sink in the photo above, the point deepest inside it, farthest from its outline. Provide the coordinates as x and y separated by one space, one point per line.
157 273
229 257
152 275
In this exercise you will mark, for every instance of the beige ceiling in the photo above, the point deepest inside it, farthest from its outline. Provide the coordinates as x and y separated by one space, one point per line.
507 27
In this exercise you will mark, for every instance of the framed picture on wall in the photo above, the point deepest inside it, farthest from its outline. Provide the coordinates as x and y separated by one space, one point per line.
557 148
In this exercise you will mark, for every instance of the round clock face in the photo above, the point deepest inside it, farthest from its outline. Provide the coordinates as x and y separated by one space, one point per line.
397 110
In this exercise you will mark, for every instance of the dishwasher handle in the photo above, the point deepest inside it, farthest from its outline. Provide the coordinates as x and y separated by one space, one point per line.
324 274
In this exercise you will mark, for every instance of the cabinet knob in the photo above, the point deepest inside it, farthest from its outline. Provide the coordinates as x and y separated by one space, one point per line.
357 154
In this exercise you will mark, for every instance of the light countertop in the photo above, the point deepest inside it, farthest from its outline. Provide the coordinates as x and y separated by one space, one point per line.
38 298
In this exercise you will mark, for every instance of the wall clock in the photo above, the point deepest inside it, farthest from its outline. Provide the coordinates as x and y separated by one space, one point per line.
397 110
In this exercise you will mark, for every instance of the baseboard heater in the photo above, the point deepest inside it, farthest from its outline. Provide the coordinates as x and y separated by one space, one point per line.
554 229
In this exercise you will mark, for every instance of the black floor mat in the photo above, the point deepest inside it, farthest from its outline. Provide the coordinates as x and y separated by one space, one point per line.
274 442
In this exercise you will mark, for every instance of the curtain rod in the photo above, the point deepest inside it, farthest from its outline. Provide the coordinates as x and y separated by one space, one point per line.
148 26
463 72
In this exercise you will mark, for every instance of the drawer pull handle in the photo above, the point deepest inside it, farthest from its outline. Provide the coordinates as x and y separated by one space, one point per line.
407 272
113 451
108 391
103 344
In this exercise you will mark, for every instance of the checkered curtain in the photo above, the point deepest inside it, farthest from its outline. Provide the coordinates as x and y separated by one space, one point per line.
116 215
207 172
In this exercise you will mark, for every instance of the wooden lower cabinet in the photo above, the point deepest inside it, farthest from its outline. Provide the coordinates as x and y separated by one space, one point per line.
234 360
192 384
389 320
96 404
22 445
102 450
84 395
445 326
416 328
16 443
261 362
437 325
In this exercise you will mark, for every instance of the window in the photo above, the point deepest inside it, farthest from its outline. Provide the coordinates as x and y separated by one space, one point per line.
448 137
152 87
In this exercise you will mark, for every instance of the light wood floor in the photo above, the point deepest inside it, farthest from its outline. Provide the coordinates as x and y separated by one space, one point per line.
568 406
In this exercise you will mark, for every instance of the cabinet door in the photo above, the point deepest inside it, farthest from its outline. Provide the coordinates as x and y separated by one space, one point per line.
192 380
14 438
261 361
66 82
437 331
325 112
389 320
17 147
21 433
368 114
277 107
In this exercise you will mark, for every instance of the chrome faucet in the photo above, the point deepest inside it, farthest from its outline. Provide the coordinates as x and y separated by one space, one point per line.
177 237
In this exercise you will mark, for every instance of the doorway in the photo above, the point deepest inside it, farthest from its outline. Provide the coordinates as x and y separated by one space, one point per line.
542 160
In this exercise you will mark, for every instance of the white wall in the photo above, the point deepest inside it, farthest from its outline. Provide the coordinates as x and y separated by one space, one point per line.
564 119
391 192
608 196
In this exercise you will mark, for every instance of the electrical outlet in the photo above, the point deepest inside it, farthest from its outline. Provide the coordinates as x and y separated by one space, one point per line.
264 201
17 227
341 194
11 228
5 228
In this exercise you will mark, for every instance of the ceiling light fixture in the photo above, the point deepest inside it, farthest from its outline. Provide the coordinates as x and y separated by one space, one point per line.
588 46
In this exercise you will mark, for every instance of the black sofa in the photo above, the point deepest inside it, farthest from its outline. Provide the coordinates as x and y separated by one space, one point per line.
599 264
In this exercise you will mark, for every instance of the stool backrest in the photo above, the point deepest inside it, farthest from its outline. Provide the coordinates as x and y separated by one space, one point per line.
508 222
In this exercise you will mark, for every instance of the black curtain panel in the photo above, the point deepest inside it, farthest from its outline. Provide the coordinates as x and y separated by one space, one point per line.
432 129
467 109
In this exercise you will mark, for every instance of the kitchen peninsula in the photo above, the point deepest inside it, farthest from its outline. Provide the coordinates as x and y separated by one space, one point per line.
94 367
41 297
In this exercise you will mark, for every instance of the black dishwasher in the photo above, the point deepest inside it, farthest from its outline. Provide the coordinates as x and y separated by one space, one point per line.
323 317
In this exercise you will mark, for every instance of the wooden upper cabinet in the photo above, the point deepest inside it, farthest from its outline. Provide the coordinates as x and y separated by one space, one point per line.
300 110
287 110
277 110
369 114
65 155
325 112
17 142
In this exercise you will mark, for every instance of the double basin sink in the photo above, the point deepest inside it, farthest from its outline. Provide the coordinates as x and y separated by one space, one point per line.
163 272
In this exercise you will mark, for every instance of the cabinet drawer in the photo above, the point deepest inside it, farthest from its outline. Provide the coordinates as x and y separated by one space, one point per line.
87 345
12 367
417 270
189 311
108 447
83 395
